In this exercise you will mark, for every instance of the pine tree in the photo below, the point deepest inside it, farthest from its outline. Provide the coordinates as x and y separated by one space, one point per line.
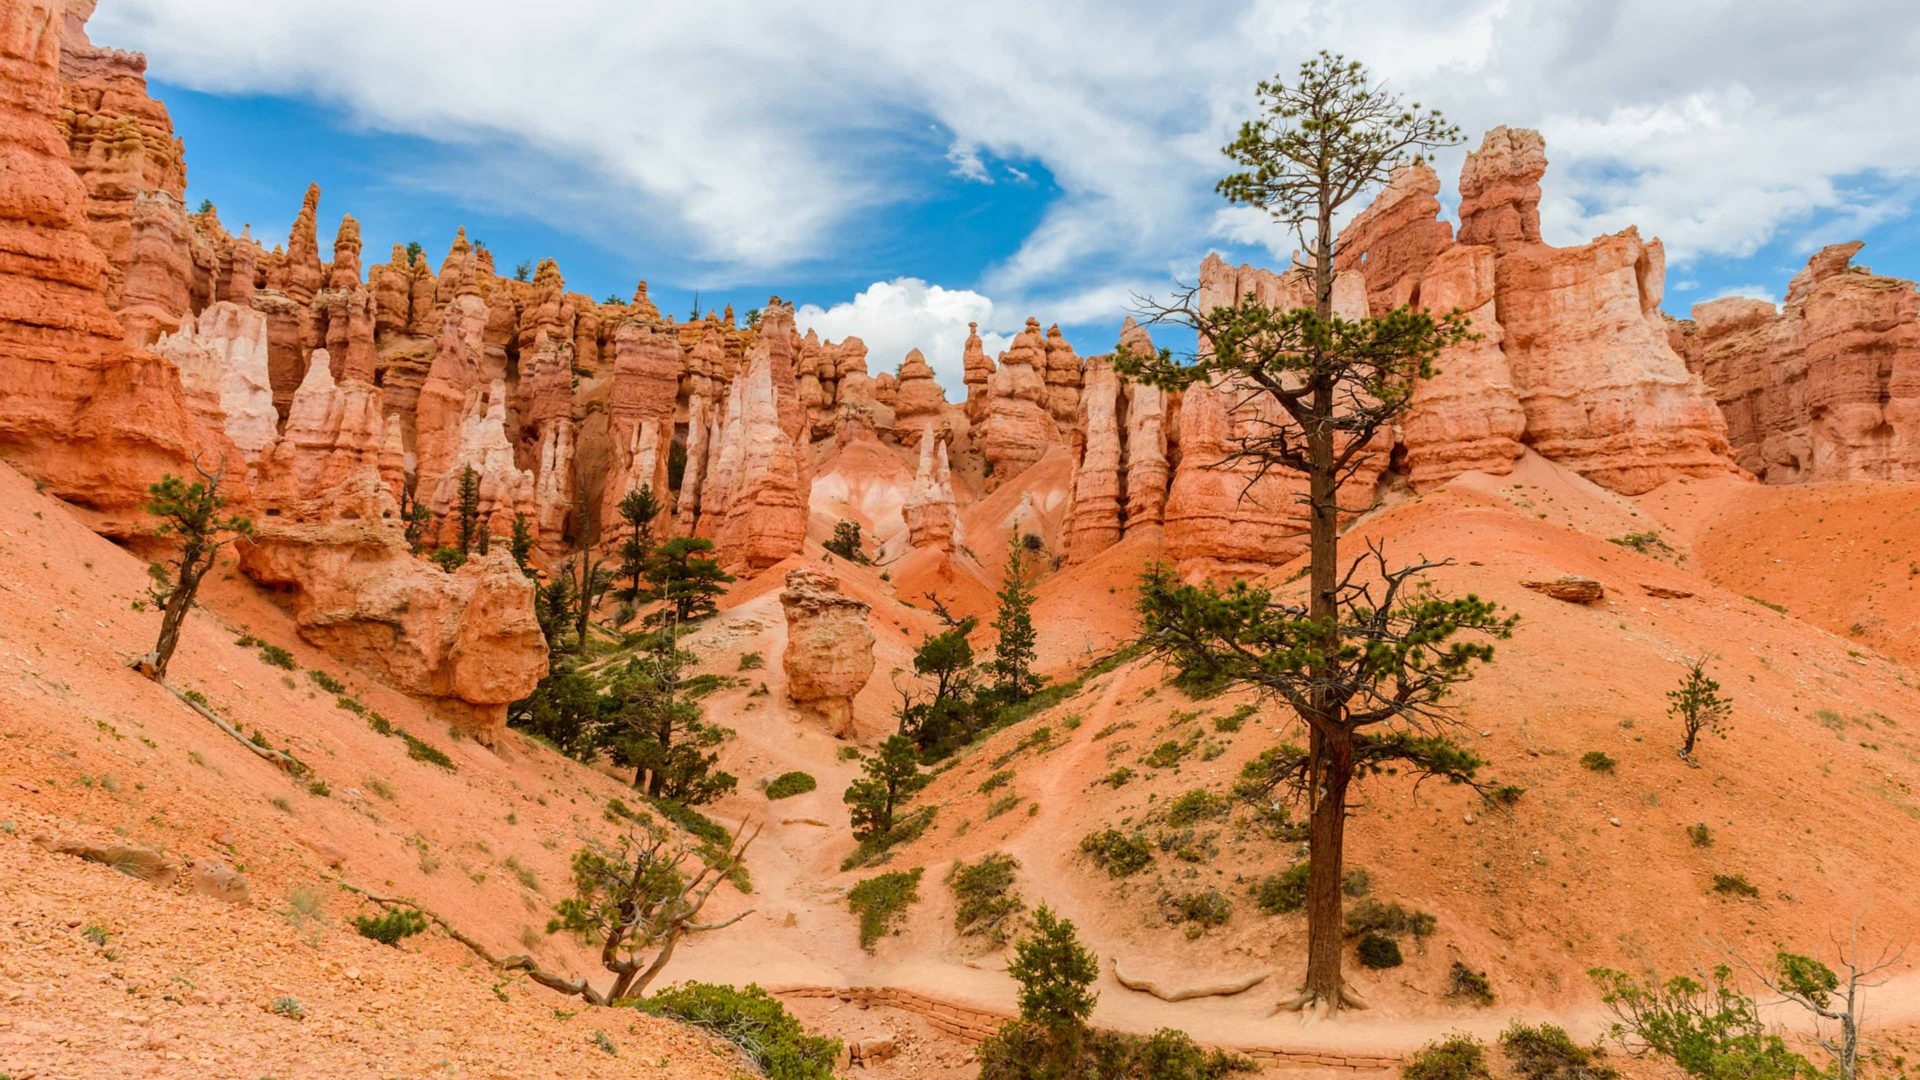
190 514
1366 660
1014 652
944 720
682 576
845 542
415 517
469 509
521 544
892 777
1698 706
656 729
553 609
1055 972
638 509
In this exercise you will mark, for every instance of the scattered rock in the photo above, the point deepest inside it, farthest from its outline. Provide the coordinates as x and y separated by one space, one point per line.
212 878
1665 592
1572 588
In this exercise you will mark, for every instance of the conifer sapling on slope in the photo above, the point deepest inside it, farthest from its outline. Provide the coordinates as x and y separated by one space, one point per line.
190 514
1698 706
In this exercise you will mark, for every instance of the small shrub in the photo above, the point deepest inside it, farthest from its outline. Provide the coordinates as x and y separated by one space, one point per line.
1002 804
277 656
752 661
789 784
1646 543
1117 777
351 704
1286 891
1549 1053
997 780
288 1007
1201 910
1735 885
1700 835
1356 882
1457 1057
389 927
327 682
95 933
1597 761
421 750
1195 806
985 903
380 787
1470 985
380 724
1372 916
1505 794
320 788
1378 951
1169 753
753 1020
1118 853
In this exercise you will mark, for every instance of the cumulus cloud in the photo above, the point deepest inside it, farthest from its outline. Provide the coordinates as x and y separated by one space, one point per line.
764 136
898 316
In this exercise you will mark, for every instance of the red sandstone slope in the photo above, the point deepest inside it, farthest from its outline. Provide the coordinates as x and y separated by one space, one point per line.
97 754
1841 556
1810 796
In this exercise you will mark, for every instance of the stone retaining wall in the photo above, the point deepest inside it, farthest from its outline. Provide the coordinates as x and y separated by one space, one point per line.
975 1024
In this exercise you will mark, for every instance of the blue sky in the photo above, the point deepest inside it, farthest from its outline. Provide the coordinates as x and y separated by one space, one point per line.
900 171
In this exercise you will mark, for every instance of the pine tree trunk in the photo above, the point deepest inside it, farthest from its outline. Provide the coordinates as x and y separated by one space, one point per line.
1324 985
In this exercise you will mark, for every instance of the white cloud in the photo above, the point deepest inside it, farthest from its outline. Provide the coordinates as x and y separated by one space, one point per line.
764 136
1750 292
895 317
967 164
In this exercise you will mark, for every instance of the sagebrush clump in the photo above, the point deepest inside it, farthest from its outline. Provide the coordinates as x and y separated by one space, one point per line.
1120 854
986 904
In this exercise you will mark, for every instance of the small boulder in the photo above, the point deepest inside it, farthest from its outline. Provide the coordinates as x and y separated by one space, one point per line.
1571 588
212 878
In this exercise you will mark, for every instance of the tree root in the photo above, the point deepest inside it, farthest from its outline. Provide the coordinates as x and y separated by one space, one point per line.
1315 1007
286 763
1223 988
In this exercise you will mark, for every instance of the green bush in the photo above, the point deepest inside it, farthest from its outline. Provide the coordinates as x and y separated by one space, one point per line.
753 1020
1464 982
1118 853
1457 1057
1286 891
1195 806
327 682
1378 951
277 656
752 661
1372 916
789 784
692 821
1735 885
881 902
985 904
997 780
1700 835
421 750
1597 761
390 926
1549 1053
1201 910
1029 1051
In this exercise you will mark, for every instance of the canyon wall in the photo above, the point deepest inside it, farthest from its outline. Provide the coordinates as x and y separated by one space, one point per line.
1826 387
